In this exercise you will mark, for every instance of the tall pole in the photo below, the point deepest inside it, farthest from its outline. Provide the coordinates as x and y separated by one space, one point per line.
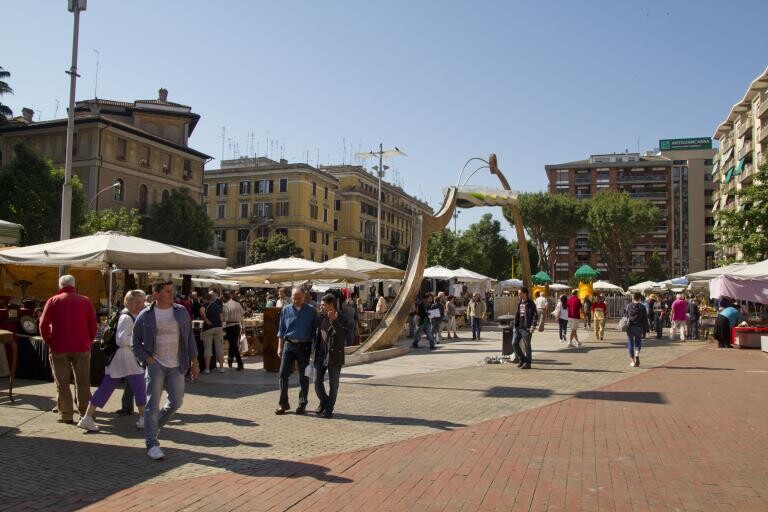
378 210
66 191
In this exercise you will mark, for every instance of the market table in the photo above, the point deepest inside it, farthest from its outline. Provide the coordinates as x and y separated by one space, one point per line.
748 337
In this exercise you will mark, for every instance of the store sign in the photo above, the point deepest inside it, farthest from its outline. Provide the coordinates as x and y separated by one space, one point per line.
695 143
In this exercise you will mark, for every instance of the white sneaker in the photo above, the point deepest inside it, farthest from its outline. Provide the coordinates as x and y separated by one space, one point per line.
155 453
206 371
140 423
220 369
88 423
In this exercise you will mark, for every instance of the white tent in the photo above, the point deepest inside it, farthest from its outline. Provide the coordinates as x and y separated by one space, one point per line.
644 286
510 283
674 283
118 249
287 270
371 268
439 272
605 286
558 287
753 271
463 274
9 232
706 275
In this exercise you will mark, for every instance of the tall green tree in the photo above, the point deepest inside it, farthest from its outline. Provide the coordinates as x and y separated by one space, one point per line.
514 251
30 195
274 247
549 220
5 111
126 220
446 248
616 221
488 251
746 229
179 220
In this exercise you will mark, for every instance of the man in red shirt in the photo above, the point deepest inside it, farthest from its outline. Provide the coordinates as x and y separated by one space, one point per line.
68 326
599 309
574 313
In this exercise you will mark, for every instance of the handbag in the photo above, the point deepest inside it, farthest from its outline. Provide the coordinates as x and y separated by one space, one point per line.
624 321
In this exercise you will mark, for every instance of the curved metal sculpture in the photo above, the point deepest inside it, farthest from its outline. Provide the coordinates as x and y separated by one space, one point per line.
388 331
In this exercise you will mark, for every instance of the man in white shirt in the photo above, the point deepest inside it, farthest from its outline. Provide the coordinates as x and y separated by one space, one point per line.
163 341
541 308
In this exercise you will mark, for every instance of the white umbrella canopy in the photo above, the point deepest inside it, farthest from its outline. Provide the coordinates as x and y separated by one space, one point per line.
511 283
605 286
111 247
556 286
674 283
439 272
754 271
291 269
371 268
462 274
706 275
644 286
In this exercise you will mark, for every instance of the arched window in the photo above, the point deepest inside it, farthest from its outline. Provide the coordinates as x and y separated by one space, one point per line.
143 193
119 193
165 195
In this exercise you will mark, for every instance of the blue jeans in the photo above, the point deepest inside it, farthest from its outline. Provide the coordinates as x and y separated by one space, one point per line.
426 327
634 339
299 352
521 344
158 378
562 325
327 400
475 328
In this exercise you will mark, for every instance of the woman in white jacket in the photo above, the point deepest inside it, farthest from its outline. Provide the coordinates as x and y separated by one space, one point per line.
123 365
561 313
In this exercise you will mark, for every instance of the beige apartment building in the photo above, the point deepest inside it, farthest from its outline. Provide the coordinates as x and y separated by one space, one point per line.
677 179
743 148
327 211
142 145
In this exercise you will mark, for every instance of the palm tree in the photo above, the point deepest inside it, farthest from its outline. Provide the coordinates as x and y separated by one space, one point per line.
5 112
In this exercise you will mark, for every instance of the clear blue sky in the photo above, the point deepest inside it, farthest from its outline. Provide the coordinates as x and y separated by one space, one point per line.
535 82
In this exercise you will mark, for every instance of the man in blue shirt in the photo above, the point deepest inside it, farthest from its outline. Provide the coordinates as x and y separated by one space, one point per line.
298 322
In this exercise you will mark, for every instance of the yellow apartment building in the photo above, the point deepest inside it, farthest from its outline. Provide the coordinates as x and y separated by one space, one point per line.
142 145
327 211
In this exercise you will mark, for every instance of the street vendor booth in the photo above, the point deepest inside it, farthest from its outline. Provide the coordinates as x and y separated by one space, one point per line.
98 253
750 284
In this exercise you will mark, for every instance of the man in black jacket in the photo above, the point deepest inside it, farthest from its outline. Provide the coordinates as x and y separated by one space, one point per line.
328 349
526 318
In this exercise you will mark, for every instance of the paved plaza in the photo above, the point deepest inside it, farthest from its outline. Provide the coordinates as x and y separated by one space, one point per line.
426 431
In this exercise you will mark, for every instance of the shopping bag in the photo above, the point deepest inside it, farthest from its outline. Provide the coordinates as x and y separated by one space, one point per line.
243 346
309 372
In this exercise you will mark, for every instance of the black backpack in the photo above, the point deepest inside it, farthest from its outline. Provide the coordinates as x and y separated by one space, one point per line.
109 337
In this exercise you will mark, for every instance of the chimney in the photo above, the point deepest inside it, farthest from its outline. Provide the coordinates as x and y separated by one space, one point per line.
163 94
27 114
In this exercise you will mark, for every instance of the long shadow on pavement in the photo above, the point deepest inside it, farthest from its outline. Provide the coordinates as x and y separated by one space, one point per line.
95 471
398 420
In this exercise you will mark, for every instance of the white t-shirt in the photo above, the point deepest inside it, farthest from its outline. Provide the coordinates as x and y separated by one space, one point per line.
541 302
166 338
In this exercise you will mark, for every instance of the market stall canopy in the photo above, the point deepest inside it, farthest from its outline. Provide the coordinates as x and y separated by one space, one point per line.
754 271
605 286
10 233
286 270
114 248
462 274
706 275
511 283
371 268
751 289
586 272
644 286
541 278
557 287
674 283
438 272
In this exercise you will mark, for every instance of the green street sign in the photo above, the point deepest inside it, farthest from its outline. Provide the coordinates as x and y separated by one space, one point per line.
695 143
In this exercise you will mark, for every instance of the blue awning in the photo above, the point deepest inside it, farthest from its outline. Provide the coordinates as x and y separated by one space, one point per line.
739 167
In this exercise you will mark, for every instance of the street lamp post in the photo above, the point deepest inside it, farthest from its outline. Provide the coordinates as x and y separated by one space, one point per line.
74 6
381 168
116 185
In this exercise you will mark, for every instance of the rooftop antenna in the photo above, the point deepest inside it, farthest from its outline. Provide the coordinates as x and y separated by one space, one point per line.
56 113
638 145
96 82
344 153
223 139
39 115
258 149
282 150
317 150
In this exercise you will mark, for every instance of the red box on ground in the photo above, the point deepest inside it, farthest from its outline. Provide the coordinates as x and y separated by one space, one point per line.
748 337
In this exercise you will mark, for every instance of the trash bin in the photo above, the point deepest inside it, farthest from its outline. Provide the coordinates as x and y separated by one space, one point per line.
506 341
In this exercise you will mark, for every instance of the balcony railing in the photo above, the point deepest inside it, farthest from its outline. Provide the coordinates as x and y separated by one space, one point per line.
744 127
641 179
583 180
583 196
746 150
762 110
649 195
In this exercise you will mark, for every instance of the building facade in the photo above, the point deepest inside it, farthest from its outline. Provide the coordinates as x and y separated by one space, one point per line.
674 179
743 138
141 145
327 211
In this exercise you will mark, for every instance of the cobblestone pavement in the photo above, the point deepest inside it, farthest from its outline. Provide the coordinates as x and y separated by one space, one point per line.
227 426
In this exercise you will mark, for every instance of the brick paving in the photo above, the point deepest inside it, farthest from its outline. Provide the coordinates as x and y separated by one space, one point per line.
463 438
